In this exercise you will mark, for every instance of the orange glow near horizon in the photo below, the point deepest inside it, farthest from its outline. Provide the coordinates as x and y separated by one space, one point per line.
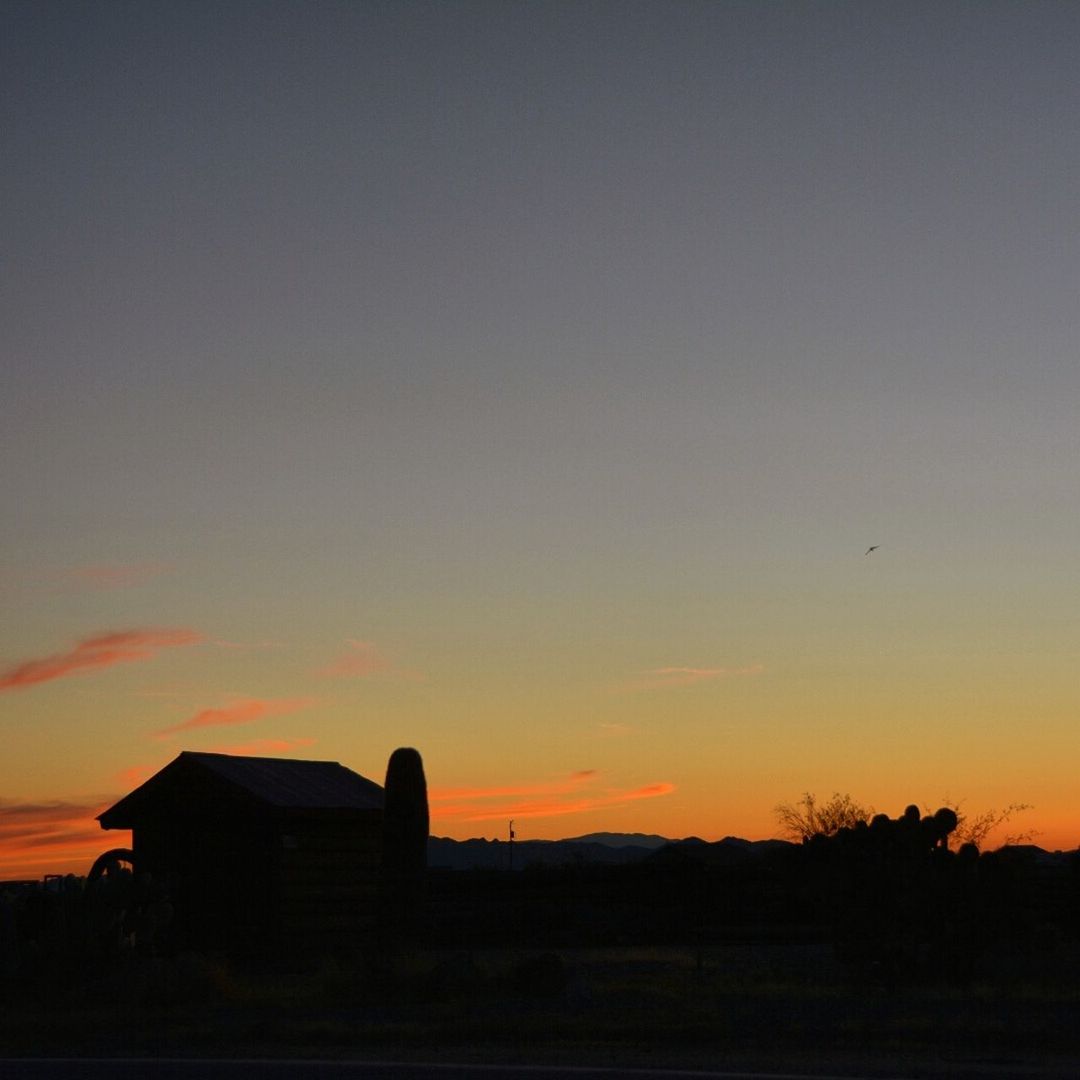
52 838
558 799
704 749
62 837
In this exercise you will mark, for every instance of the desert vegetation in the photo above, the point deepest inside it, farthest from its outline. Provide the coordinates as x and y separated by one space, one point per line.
808 817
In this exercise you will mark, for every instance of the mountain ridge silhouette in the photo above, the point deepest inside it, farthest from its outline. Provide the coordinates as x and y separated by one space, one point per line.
605 848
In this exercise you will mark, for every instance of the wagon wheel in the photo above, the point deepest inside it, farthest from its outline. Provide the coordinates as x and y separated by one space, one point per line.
110 861
110 896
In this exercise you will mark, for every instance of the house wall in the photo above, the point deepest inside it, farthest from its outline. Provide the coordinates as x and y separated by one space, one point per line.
220 879
284 891
326 884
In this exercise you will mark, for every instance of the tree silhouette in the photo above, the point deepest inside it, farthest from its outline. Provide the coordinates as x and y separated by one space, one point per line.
975 828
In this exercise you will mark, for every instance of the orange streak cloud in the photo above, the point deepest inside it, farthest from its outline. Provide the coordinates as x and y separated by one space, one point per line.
116 575
244 711
535 800
557 787
103 651
50 837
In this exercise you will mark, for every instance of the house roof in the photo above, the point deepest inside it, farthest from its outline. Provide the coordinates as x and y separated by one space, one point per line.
197 784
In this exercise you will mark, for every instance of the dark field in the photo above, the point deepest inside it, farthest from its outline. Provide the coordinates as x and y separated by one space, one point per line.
769 1005
850 957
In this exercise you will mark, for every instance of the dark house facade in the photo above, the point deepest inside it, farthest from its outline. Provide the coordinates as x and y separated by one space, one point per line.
262 857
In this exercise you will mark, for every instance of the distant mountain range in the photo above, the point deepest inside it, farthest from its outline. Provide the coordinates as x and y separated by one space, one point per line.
610 849
620 839
602 848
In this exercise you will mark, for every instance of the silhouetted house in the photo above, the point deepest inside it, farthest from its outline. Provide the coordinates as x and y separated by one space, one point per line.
261 856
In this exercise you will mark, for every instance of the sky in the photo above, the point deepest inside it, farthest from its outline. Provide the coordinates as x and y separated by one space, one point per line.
525 383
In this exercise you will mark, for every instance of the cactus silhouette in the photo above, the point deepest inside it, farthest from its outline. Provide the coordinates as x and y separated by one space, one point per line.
404 844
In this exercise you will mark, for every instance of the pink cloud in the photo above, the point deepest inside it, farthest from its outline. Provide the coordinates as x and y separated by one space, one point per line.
554 799
103 651
671 677
361 660
115 575
241 711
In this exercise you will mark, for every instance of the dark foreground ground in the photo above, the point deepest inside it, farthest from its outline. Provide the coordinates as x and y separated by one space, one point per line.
322 1069
777 1008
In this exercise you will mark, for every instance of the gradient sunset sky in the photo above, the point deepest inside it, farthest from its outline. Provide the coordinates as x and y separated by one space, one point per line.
525 382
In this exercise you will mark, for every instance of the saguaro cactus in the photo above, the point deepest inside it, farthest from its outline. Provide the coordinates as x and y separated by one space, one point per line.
404 843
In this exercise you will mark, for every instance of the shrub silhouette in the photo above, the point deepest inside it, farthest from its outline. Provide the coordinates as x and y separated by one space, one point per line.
807 818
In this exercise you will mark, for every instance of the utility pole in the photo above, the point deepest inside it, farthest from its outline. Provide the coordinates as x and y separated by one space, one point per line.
511 843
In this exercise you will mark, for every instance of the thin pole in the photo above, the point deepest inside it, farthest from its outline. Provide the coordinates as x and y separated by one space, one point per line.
511 843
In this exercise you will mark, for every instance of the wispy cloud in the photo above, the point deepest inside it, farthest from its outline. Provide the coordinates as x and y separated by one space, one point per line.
664 678
54 835
553 787
134 775
169 690
20 819
114 575
241 711
574 794
244 645
265 747
363 659
103 651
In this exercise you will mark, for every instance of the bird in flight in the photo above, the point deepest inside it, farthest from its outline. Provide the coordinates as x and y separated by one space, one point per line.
872 547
